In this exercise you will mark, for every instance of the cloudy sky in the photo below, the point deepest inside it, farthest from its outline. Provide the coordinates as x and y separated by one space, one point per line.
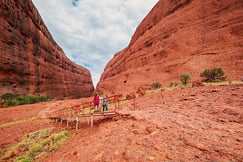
91 31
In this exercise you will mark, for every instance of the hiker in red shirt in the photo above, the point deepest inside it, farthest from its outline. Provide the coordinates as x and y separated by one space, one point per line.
1 104
96 101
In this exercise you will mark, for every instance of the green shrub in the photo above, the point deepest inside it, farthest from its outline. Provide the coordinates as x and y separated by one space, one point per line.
34 145
59 138
45 142
171 84
12 100
215 74
185 78
35 148
22 159
156 85
8 96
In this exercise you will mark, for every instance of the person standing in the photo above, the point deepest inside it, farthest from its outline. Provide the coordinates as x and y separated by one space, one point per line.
101 101
105 103
96 102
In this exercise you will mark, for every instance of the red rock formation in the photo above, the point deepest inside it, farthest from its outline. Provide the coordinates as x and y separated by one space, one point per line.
31 61
179 36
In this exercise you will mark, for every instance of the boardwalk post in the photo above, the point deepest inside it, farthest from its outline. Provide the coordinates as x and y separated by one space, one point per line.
88 120
115 102
118 100
134 104
92 120
77 123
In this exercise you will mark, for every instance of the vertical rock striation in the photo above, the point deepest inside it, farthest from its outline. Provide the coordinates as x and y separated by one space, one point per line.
31 61
179 36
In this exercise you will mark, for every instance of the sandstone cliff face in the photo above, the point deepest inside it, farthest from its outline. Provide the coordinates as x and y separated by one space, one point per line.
31 61
179 36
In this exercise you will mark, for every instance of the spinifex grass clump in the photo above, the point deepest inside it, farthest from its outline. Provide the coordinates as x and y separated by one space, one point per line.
35 145
26 146
18 122
14 99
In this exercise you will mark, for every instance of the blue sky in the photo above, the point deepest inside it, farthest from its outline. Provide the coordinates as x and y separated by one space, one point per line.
89 31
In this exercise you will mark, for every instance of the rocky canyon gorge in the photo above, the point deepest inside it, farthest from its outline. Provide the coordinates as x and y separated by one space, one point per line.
179 36
31 61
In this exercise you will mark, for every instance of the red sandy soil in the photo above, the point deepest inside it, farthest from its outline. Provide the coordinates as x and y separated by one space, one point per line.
193 124
12 134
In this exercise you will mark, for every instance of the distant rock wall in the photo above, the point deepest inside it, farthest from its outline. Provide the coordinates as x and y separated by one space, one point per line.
179 36
30 60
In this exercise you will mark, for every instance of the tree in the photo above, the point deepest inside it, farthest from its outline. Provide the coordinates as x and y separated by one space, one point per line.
215 74
185 78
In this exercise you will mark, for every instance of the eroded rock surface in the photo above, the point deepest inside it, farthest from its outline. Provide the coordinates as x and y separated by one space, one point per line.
194 124
30 60
179 36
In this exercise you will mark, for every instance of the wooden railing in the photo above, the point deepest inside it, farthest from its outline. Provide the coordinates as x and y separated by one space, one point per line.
87 110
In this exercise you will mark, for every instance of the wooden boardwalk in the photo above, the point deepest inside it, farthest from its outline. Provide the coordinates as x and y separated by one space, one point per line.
85 111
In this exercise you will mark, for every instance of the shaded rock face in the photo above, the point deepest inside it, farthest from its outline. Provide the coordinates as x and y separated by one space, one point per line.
179 36
31 61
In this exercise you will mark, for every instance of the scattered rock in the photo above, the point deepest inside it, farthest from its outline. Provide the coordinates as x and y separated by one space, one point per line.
151 128
131 96
169 156
151 158
75 153
197 84
141 91
98 157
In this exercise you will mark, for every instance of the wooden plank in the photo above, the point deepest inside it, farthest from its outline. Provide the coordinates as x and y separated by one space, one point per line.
105 113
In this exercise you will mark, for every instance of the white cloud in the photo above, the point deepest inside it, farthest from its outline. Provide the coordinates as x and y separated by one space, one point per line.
90 32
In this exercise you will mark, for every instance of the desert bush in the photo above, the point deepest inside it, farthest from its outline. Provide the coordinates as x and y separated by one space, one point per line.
171 84
8 96
12 99
185 78
215 74
156 85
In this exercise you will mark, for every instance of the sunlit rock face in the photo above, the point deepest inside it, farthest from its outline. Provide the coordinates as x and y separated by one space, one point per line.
31 61
179 36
